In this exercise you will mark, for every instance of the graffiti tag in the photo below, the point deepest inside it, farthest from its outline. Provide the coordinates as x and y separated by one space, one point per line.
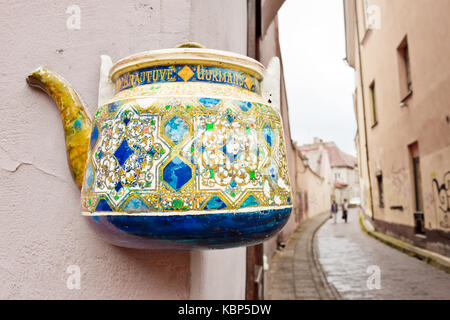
399 178
442 198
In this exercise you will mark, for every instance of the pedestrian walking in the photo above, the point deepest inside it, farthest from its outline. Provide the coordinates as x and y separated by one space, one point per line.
344 210
334 210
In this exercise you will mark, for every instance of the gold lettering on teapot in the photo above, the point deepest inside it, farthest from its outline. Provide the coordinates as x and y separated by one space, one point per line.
208 75
200 73
170 74
197 73
222 76
214 76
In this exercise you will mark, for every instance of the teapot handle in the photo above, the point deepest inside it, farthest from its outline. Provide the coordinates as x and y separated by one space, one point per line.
106 88
189 45
271 85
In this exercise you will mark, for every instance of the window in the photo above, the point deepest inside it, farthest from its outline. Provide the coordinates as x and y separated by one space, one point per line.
371 16
407 67
380 189
366 15
404 68
300 202
373 104
306 201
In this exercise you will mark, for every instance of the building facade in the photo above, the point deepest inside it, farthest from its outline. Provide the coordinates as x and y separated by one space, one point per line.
343 173
400 52
313 184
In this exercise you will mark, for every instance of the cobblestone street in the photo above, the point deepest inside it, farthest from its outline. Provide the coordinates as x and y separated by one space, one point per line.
345 253
295 274
347 257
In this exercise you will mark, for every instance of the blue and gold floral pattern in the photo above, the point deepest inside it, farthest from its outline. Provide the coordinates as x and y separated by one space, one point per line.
154 156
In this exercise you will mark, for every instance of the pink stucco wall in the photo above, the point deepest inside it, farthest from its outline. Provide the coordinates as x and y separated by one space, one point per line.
41 229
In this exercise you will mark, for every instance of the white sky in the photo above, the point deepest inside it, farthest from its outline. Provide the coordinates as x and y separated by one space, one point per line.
319 83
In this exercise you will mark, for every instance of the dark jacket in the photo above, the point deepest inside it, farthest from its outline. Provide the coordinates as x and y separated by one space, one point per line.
334 207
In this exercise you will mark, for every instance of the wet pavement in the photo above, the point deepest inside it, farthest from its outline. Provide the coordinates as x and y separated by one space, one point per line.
360 267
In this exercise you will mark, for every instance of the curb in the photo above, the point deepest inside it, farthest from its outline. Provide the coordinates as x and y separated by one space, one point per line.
437 260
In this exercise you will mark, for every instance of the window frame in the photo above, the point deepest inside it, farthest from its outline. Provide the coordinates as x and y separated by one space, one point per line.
404 70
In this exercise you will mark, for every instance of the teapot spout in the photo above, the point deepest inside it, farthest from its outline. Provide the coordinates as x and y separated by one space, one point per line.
76 122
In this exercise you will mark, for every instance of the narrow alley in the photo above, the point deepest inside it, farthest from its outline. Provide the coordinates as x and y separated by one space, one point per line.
349 259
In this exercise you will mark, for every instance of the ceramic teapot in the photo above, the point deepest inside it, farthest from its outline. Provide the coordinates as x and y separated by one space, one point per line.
185 151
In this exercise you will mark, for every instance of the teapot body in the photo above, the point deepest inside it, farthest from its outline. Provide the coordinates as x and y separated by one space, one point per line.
186 156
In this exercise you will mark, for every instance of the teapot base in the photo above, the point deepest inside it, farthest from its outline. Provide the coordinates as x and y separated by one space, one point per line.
190 231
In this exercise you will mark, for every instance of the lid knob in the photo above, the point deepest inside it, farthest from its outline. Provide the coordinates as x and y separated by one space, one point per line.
189 45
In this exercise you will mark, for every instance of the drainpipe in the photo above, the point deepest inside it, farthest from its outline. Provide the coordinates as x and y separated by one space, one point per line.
364 109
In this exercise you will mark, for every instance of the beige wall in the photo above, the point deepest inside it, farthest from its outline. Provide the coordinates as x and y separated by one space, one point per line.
423 119
41 228
349 176
319 190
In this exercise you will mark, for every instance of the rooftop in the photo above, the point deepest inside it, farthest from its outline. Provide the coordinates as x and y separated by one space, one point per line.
338 158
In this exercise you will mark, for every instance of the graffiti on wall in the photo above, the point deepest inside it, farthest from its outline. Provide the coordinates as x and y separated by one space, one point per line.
429 199
313 202
399 178
441 190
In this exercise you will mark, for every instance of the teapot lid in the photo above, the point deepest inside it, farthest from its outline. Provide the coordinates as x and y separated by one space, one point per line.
188 53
